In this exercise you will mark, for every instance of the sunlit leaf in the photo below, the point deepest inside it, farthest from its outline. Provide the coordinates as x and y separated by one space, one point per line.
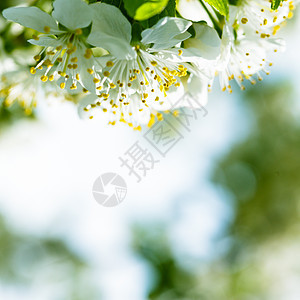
221 6
144 9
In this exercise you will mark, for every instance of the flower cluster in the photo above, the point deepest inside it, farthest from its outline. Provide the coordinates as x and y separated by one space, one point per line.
248 38
131 71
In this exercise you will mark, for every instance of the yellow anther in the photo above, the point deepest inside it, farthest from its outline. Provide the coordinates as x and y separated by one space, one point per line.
180 52
28 111
48 63
275 29
74 59
96 80
71 50
44 78
37 57
106 73
51 77
77 77
91 71
62 85
32 70
78 31
159 116
46 29
109 64
244 20
88 53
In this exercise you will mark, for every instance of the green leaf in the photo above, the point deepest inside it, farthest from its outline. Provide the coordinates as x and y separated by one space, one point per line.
170 10
116 3
144 9
221 6
275 4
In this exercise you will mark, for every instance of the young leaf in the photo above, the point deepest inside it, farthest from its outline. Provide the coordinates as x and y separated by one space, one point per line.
144 9
169 11
220 5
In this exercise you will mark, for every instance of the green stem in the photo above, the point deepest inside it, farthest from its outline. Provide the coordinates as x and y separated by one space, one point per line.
214 21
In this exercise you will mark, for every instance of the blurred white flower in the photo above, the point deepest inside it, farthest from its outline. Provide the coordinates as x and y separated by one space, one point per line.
244 56
17 87
248 39
257 16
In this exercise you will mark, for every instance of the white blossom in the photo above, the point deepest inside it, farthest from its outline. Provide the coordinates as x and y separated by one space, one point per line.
139 78
64 55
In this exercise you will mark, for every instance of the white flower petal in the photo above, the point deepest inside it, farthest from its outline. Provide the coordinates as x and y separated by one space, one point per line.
31 17
85 77
197 88
193 10
167 31
45 41
194 63
206 42
72 14
111 31
170 43
85 101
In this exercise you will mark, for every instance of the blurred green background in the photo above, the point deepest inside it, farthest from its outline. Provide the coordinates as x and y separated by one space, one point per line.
253 252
